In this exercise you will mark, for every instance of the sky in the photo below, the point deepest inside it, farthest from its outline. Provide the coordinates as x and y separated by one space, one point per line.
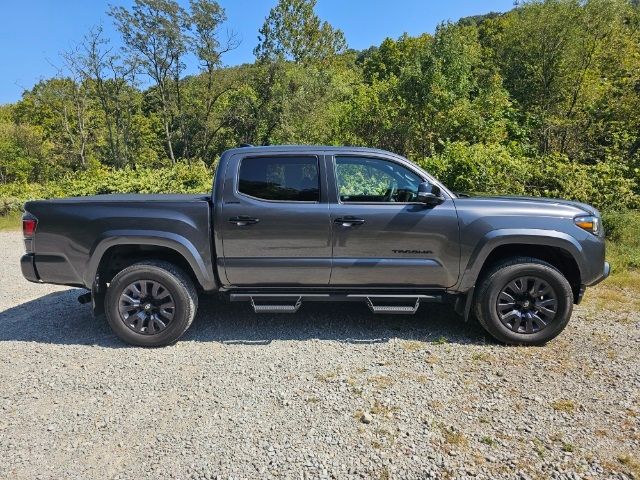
33 33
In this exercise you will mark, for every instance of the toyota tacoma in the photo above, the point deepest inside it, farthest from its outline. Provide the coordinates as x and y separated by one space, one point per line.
285 225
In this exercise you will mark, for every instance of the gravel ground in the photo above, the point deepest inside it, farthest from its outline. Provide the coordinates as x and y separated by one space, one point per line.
332 392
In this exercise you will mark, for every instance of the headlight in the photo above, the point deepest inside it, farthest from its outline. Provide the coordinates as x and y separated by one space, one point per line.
589 223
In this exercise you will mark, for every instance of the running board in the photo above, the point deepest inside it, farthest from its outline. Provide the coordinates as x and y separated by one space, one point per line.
280 302
394 309
276 307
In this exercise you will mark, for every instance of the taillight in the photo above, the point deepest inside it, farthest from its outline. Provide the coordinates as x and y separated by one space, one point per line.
29 227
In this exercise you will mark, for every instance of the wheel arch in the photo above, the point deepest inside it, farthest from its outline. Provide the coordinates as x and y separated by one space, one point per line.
556 248
126 247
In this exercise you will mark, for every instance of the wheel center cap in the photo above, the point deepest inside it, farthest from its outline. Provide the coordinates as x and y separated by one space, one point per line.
147 306
526 304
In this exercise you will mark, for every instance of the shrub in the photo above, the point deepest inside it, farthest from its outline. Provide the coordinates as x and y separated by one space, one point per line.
623 231
501 170
179 178
10 205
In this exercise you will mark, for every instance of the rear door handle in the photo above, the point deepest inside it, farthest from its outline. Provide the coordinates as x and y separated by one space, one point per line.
349 221
243 220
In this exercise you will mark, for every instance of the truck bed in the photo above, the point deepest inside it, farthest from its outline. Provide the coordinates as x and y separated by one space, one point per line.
74 233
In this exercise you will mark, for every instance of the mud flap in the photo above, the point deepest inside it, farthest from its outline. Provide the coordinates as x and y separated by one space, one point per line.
97 299
463 304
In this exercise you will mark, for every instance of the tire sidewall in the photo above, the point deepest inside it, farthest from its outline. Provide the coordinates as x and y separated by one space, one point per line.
180 296
509 273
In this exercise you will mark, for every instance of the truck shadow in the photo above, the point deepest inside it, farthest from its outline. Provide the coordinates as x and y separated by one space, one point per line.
57 318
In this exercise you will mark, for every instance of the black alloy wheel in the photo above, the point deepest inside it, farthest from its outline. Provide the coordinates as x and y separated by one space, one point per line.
146 307
150 303
527 305
523 301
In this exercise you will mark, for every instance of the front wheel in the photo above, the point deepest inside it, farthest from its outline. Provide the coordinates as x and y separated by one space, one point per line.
150 304
524 301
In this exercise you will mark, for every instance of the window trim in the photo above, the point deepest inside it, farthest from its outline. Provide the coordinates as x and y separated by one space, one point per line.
372 157
289 155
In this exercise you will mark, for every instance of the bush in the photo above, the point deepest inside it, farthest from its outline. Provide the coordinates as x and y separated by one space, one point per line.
490 169
500 170
623 231
10 205
179 178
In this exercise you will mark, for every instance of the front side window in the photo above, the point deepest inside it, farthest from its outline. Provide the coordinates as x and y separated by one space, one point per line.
373 180
293 179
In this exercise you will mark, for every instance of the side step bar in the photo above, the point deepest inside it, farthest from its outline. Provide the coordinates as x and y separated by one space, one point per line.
394 309
276 307
404 304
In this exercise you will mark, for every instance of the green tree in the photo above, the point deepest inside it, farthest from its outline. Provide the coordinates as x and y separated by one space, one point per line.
552 55
293 31
211 87
153 32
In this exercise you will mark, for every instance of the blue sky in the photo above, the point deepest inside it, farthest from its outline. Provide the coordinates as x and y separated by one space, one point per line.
34 32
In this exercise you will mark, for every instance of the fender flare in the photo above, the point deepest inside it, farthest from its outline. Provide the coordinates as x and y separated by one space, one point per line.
497 238
177 243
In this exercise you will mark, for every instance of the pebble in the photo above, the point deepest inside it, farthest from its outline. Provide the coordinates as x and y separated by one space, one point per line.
331 392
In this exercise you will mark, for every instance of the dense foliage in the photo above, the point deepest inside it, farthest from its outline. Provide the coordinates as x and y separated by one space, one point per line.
541 100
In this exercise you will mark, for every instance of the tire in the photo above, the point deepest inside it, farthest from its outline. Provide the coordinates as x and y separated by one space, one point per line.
150 320
534 319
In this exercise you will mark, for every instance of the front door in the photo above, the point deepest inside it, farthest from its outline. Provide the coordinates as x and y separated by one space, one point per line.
382 236
275 222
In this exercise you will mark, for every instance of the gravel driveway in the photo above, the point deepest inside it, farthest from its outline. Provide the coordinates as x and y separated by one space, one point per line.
332 392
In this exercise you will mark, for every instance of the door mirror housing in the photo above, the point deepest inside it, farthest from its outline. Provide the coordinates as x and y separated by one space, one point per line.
429 194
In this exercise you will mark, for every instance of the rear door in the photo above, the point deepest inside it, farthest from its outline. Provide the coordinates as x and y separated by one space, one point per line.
275 221
382 236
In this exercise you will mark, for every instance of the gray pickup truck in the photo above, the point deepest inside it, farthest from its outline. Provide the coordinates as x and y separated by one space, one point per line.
286 225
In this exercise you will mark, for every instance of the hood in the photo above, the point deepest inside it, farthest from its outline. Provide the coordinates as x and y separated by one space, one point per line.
535 201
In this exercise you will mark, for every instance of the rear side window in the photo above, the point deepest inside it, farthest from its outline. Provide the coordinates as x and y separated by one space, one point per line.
292 179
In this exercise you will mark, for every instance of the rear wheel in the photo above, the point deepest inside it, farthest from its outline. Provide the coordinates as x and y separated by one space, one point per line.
151 303
524 301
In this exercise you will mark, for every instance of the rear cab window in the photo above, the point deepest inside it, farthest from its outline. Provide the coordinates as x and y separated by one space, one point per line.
280 178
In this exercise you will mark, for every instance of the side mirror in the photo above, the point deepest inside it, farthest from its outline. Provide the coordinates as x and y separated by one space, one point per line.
429 194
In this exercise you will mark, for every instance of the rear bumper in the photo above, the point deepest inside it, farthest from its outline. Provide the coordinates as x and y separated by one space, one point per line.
28 267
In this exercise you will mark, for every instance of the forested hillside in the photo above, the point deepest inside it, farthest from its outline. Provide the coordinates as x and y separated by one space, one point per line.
542 100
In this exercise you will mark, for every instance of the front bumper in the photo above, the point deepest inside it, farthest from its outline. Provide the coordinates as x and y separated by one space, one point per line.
580 293
605 273
28 267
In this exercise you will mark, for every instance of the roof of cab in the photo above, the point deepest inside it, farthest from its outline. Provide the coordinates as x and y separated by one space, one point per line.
306 149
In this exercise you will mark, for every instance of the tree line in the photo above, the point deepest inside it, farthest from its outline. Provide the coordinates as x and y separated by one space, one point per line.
542 99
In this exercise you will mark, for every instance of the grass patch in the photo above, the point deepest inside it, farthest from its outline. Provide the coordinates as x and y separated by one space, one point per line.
382 409
623 233
563 405
567 447
488 441
11 222
631 463
481 357
328 376
621 291
454 437
412 346
384 474
431 359
539 448
381 381
441 341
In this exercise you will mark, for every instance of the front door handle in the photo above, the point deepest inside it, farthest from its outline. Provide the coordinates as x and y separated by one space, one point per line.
349 221
243 220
